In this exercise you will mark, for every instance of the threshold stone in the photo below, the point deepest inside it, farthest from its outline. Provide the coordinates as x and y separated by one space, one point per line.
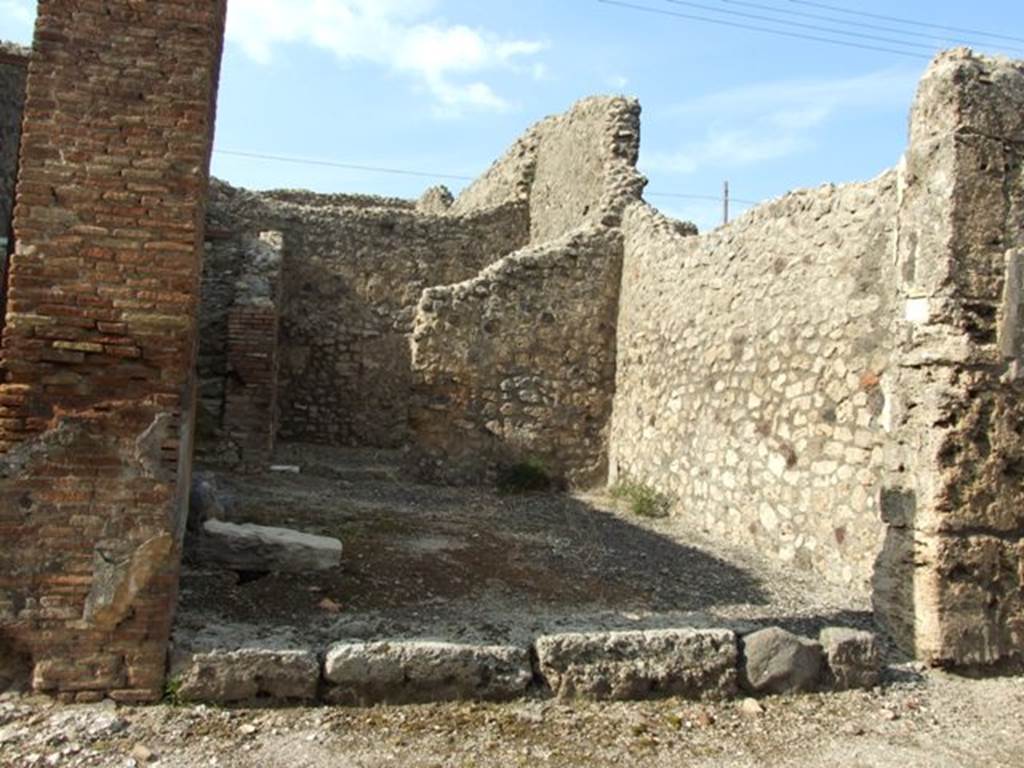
624 666
224 677
409 672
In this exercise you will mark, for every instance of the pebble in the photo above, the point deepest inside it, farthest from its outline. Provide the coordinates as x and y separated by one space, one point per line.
751 708
143 754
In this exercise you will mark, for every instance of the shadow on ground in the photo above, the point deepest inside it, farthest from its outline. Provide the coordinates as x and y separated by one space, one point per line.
435 561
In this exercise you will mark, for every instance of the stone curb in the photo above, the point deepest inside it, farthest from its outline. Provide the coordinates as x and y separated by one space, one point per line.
688 663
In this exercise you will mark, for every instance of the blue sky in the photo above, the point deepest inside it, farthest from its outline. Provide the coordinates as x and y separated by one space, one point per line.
444 86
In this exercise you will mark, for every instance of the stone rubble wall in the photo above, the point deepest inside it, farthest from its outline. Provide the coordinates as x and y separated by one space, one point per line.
13 70
750 368
97 363
575 168
351 278
950 581
518 363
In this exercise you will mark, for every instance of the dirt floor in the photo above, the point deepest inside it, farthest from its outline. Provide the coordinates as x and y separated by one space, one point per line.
423 561
928 720
474 565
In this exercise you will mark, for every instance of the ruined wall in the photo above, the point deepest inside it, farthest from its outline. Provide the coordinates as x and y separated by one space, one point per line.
13 70
98 348
585 167
351 278
571 169
750 362
239 351
250 418
519 363
950 581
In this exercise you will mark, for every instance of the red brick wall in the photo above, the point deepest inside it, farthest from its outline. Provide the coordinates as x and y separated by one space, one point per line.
250 404
98 348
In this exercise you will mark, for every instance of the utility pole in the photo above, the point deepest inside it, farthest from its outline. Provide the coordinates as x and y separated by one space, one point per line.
725 203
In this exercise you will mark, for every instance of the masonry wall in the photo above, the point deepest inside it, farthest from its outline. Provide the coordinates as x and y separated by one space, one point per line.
518 364
98 347
252 356
13 70
571 169
750 368
950 580
352 272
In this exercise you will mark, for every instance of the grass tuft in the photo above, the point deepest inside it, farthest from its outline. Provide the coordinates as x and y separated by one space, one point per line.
642 500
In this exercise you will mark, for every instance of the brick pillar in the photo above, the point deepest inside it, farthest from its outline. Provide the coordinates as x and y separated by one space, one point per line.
250 401
96 397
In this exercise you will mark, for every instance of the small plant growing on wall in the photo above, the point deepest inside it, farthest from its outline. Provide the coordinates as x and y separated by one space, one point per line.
528 476
172 692
642 500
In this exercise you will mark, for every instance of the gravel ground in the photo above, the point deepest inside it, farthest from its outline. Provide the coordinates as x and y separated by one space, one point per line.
422 561
917 718
472 565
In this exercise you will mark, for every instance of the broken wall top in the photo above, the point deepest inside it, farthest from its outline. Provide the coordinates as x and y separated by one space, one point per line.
572 168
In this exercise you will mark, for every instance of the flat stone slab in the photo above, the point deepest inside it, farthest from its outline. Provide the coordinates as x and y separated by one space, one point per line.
777 662
623 666
408 672
224 677
248 547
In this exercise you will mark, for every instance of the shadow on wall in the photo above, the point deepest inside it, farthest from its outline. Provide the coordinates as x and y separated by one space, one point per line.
341 354
892 583
354 269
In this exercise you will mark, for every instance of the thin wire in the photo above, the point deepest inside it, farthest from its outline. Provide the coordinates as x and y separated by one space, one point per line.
737 25
427 175
913 22
347 166
865 25
801 25
715 198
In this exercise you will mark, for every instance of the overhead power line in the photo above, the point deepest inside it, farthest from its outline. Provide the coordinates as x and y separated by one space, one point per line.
712 198
800 25
427 174
768 30
912 22
346 166
866 25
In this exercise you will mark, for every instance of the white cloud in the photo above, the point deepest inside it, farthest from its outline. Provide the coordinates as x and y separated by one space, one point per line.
618 82
21 14
401 35
768 121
